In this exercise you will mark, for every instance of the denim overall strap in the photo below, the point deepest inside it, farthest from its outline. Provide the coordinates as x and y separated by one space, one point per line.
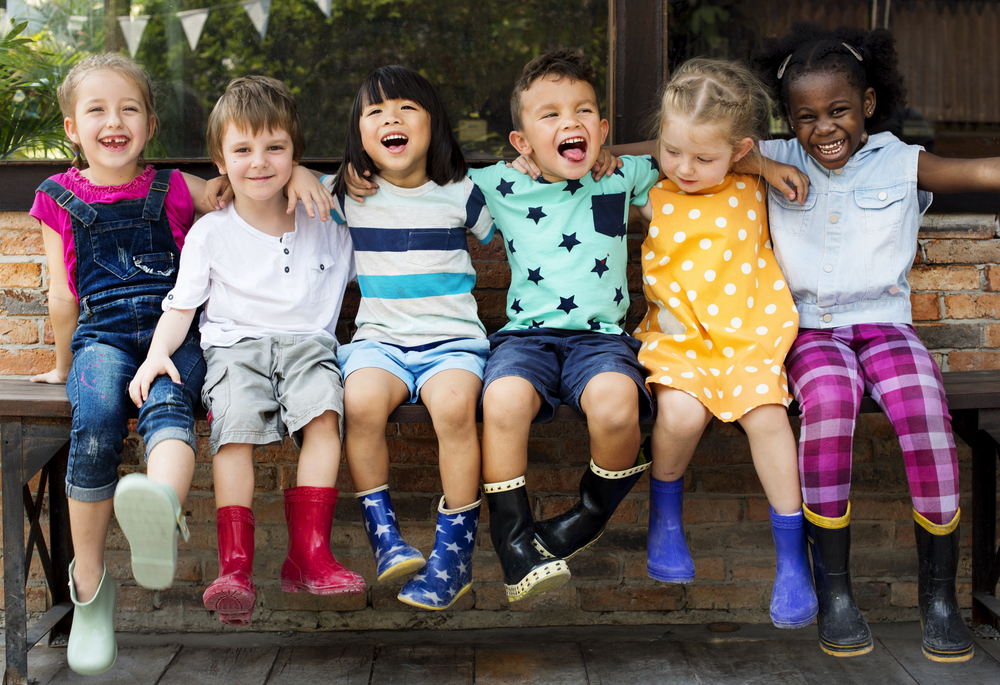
157 195
68 201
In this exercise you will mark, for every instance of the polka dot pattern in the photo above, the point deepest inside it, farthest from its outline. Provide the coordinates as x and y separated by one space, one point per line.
708 259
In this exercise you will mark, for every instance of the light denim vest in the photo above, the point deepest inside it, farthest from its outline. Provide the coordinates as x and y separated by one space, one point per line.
846 252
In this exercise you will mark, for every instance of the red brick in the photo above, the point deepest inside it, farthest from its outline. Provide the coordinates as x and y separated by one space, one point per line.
18 331
966 360
992 334
491 598
181 598
732 481
48 335
992 277
632 598
495 275
944 278
872 595
20 275
758 509
415 479
711 568
272 598
560 598
962 251
925 306
878 509
758 569
729 596
904 537
26 362
577 451
36 599
413 451
135 599
547 479
712 510
22 242
979 306
18 221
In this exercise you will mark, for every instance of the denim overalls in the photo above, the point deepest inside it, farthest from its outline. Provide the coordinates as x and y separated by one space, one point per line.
126 262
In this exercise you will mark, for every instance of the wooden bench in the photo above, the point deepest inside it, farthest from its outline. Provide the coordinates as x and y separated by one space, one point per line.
35 426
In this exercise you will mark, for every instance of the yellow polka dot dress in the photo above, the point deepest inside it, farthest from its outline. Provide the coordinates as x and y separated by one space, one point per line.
720 319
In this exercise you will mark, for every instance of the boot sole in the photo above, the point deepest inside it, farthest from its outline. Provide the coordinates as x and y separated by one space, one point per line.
403 568
844 651
540 579
292 586
549 555
414 603
668 578
942 657
149 526
235 607
793 626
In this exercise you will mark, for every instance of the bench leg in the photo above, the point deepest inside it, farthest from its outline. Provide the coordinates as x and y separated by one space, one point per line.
985 559
15 615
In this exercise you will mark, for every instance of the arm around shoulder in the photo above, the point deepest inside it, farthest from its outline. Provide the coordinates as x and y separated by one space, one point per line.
952 175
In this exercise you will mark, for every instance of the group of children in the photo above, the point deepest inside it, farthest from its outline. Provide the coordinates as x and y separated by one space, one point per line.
735 285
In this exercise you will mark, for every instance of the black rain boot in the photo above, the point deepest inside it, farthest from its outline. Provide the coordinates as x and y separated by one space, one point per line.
601 492
842 629
525 571
946 637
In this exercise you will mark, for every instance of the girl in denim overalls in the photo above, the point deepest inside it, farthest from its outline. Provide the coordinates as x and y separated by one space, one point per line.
846 252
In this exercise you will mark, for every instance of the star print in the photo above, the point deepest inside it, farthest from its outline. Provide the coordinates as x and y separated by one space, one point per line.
536 214
510 246
594 324
505 188
536 324
462 567
653 164
470 536
439 529
619 172
420 576
566 304
569 242
572 185
382 530
458 520
535 275
516 307
452 547
369 502
433 595
391 514
434 555
600 266
443 575
618 296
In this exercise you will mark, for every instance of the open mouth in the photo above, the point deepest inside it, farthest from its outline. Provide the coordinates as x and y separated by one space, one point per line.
832 149
395 142
114 142
573 149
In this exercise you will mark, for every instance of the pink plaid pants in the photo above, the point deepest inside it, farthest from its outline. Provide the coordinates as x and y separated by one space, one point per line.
829 371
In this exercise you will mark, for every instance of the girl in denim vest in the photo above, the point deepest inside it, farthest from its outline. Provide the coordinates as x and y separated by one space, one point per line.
113 229
846 252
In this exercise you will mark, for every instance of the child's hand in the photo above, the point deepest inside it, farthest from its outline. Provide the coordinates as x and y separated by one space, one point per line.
792 182
54 377
155 365
358 186
304 186
526 166
218 192
606 164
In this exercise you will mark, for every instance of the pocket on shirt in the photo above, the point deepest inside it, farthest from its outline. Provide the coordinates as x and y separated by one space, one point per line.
882 207
321 280
788 216
434 247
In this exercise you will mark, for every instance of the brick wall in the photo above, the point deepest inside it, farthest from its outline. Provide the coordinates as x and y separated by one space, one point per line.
956 295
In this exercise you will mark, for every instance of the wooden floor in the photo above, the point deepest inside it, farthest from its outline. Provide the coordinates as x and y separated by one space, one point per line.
553 656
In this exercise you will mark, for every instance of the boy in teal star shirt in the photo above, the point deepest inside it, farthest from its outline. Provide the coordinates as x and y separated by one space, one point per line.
564 234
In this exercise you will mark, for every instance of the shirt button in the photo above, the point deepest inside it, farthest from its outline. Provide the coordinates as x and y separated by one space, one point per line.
827 318
834 218
882 196
286 269
170 297
286 250
828 268
321 267
838 171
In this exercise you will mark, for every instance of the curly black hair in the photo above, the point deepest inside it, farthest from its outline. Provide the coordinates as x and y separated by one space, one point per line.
810 49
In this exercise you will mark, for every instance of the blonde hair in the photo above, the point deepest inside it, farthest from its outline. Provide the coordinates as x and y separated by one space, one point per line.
255 103
725 95
112 61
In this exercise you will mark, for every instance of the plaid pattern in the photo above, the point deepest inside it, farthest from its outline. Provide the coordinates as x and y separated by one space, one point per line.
829 371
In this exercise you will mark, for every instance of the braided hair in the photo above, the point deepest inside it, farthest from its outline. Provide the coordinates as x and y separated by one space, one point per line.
866 58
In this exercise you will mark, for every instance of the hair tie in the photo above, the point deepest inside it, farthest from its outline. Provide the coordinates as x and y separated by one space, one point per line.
852 50
784 65
76 154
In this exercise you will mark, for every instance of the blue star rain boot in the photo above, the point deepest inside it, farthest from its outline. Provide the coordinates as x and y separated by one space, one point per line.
448 573
393 557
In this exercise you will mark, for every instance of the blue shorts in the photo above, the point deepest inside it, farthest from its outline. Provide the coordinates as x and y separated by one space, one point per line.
415 365
559 364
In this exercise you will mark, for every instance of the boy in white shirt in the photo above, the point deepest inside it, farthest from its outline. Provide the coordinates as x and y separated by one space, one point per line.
272 284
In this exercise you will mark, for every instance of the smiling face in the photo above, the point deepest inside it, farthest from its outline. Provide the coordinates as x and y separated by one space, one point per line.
258 166
697 158
562 127
828 116
110 123
396 134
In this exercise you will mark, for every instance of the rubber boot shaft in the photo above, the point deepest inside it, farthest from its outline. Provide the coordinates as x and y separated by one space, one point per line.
92 648
945 635
394 558
667 557
232 594
793 599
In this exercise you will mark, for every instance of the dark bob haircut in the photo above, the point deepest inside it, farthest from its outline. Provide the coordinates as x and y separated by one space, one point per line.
445 161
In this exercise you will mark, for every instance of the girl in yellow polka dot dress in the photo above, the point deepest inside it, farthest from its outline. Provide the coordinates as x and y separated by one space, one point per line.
720 319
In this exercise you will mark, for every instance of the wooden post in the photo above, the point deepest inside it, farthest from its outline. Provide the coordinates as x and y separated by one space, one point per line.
638 65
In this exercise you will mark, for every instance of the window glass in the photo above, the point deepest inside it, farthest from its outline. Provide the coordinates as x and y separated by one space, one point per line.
323 49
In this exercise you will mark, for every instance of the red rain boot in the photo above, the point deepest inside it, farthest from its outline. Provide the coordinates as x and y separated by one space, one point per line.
232 593
310 566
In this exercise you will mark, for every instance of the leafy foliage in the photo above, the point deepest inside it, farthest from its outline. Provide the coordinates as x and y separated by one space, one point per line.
30 72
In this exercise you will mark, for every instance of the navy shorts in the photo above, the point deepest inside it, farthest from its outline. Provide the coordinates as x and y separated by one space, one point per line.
560 363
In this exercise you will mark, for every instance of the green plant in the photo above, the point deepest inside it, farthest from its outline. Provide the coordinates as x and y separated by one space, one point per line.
31 69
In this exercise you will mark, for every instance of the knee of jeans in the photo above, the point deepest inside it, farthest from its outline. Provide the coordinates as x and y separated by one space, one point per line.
168 404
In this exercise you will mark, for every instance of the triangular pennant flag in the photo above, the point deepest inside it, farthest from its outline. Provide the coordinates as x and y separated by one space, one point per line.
324 7
75 22
259 12
193 22
132 29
